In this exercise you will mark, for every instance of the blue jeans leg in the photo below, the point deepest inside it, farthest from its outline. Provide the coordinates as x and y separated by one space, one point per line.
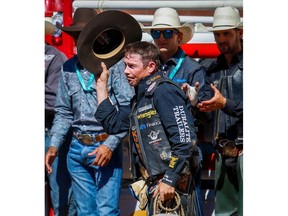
96 189
60 182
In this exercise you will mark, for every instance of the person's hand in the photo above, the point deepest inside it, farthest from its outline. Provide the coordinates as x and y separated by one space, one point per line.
166 192
103 155
102 78
50 156
218 101
191 92
102 83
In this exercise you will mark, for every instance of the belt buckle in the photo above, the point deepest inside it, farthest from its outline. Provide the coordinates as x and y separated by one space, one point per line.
86 139
228 148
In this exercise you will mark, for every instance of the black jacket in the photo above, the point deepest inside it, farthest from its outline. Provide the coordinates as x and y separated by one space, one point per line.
227 123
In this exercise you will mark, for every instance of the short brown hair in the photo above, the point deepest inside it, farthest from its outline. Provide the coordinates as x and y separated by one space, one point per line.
148 52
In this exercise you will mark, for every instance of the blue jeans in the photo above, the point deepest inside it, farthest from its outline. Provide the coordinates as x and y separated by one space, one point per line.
60 182
96 189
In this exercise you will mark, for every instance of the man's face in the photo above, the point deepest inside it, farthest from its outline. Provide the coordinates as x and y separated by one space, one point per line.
168 44
135 70
228 41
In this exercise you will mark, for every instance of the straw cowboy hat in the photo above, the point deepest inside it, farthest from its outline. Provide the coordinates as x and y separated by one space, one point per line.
145 36
226 18
80 18
104 38
49 27
165 18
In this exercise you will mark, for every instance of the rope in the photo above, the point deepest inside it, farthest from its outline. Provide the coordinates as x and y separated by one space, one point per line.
159 208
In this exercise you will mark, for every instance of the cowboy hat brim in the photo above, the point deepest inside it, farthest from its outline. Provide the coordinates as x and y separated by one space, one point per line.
222 28
104 38
73 31
187 30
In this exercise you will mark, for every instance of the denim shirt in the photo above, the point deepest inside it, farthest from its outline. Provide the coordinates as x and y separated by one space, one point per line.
76 108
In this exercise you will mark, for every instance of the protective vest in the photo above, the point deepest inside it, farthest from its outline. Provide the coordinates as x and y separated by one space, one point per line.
148 134
230 84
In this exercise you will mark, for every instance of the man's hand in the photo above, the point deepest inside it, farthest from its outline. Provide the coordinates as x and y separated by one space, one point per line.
50 156
216 102
167 192
102 84
103 155
191 92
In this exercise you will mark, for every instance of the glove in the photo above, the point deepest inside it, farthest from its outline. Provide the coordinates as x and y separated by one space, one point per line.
192 94
139 192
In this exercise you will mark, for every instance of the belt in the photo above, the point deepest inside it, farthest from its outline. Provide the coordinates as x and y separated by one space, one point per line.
229 148
90 139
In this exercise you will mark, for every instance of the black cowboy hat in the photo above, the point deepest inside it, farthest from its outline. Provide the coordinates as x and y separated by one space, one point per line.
104 38
80 18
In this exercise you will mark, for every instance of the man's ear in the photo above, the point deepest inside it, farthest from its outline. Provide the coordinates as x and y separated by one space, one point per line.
151 67
241 33
180 36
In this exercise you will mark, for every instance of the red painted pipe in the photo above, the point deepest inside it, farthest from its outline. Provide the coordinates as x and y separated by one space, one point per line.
201 50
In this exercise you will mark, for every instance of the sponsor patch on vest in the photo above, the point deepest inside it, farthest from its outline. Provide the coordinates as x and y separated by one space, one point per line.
153 79
151 87
173 162
147 114
153 135
164 155
141 109
152 124
155 140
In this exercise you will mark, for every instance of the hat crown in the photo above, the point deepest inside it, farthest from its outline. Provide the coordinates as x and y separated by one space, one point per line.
82 16
49 27
166 16
226 16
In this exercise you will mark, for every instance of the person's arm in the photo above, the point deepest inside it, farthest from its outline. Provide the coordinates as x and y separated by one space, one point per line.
218 101
113 117
178 123
61 123
102 84
54 59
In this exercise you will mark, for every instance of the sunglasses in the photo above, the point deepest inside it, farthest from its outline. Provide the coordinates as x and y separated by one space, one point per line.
167 34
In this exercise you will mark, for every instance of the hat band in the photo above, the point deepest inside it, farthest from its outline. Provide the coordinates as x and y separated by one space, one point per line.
159 24
229 26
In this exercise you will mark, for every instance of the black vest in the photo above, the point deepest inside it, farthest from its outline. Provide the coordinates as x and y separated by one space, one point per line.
230 83
148 134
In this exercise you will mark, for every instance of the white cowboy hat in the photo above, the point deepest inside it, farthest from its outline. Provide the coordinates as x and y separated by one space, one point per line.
166 18
49 27
226 18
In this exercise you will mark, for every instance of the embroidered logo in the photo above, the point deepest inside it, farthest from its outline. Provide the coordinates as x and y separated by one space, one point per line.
153 135
141 109
163 155
147 114
173 162
151 87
